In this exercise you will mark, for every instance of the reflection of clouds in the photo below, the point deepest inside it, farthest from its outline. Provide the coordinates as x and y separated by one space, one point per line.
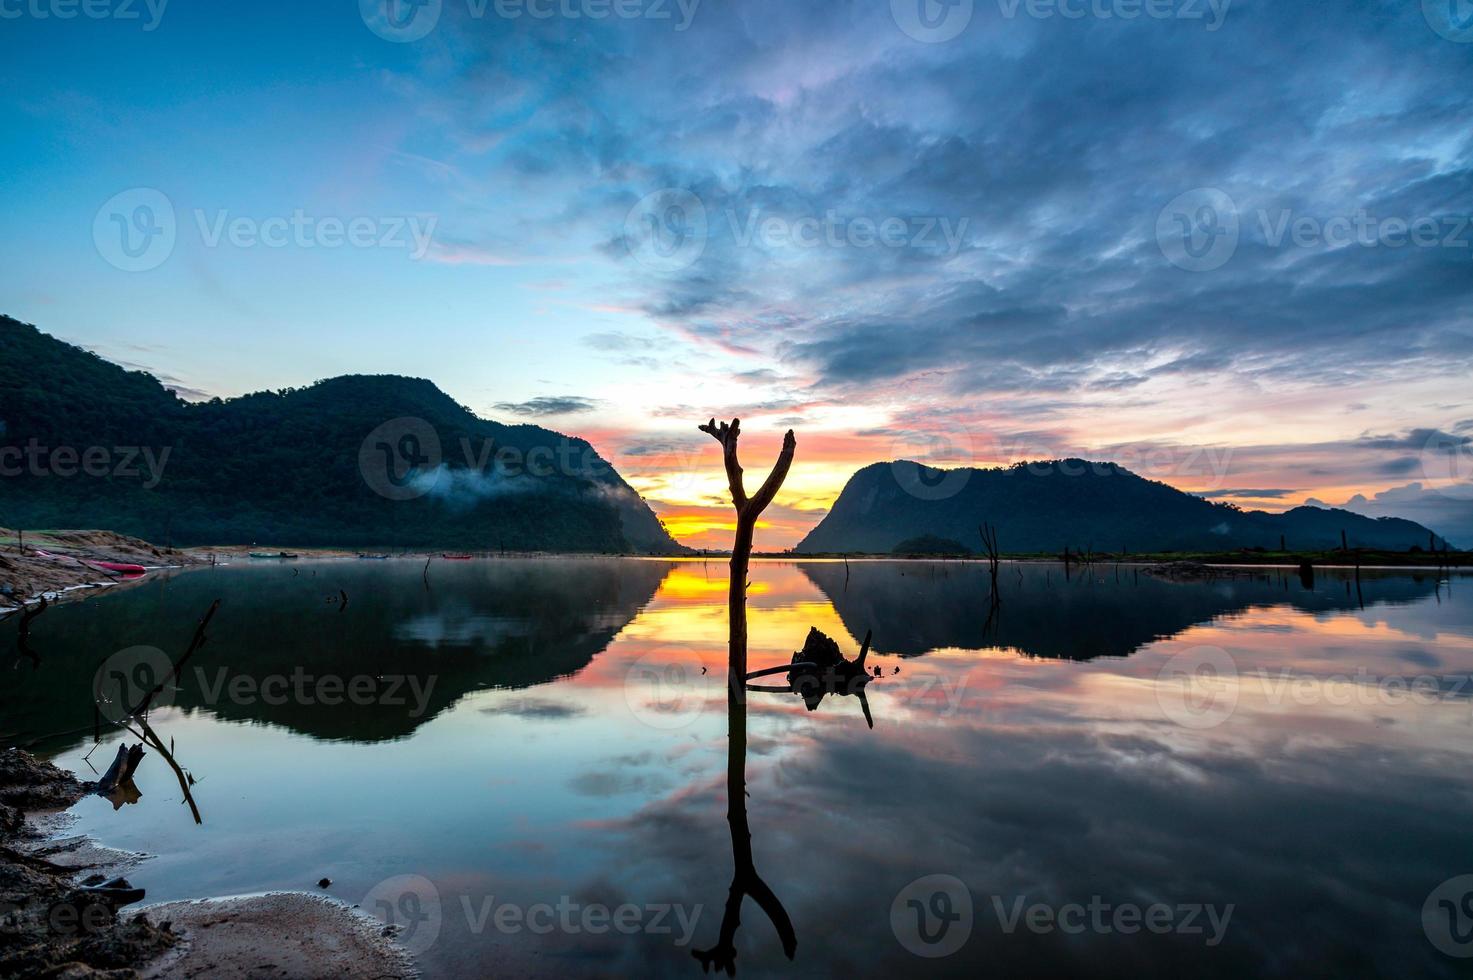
1061 815
543 708
1325 825
444 628
457 625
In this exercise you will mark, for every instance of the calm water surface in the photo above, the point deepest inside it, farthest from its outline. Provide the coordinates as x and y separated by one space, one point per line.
1290 761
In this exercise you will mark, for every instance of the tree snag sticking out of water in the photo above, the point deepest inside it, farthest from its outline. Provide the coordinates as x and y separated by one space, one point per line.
747 511
745 882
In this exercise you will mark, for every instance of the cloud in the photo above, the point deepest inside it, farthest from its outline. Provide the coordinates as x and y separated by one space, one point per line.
1448 510
547 405
1247 494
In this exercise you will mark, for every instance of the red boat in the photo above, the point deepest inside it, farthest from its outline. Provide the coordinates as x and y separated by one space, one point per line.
456 557
125 568
121 567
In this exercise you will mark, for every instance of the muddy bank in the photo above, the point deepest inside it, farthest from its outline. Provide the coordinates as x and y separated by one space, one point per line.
70 564
57 919
67 912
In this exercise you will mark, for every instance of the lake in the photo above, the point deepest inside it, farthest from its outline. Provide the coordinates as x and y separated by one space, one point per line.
521 763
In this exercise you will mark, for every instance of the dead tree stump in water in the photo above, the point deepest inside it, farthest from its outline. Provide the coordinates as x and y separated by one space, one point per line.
747 511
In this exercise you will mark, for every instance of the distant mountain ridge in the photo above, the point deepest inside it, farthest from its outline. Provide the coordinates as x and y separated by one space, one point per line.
1047 506
353 461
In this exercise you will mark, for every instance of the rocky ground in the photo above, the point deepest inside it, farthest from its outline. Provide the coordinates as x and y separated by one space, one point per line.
26 575
57 920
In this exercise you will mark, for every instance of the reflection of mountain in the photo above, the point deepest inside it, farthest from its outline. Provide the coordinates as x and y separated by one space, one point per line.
915 608
485 624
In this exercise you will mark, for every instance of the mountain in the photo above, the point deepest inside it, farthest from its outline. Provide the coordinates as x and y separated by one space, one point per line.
356 461
1046 507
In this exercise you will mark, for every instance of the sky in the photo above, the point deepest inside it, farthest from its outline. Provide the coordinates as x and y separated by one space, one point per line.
1225 244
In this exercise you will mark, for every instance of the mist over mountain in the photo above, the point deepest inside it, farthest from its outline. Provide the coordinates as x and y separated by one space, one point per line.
357 461
1046 507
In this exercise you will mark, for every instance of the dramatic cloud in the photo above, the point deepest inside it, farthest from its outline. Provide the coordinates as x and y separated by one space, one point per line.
549 405
1242 227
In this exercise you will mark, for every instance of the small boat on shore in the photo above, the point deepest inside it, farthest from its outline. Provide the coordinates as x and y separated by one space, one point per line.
456 557
373 557
121 567
274 554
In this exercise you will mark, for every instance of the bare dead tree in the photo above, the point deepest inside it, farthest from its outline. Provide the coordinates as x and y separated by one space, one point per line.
989 542
747 511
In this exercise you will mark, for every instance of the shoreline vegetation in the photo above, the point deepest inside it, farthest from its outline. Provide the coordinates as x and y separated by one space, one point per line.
63 565
1365 558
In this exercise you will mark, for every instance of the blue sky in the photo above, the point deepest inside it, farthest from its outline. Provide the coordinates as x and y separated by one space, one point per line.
1027 169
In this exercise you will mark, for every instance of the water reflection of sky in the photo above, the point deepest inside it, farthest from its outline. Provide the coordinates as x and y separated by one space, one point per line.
1038 763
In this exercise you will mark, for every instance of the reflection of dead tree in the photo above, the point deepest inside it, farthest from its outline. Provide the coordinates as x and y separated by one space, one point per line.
23 638
186 780
744 881
747 510
197 641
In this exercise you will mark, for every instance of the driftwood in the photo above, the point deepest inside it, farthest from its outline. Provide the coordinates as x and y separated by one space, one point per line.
121 771
820 669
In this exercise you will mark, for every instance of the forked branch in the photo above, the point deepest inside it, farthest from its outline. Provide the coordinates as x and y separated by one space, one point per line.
727 435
